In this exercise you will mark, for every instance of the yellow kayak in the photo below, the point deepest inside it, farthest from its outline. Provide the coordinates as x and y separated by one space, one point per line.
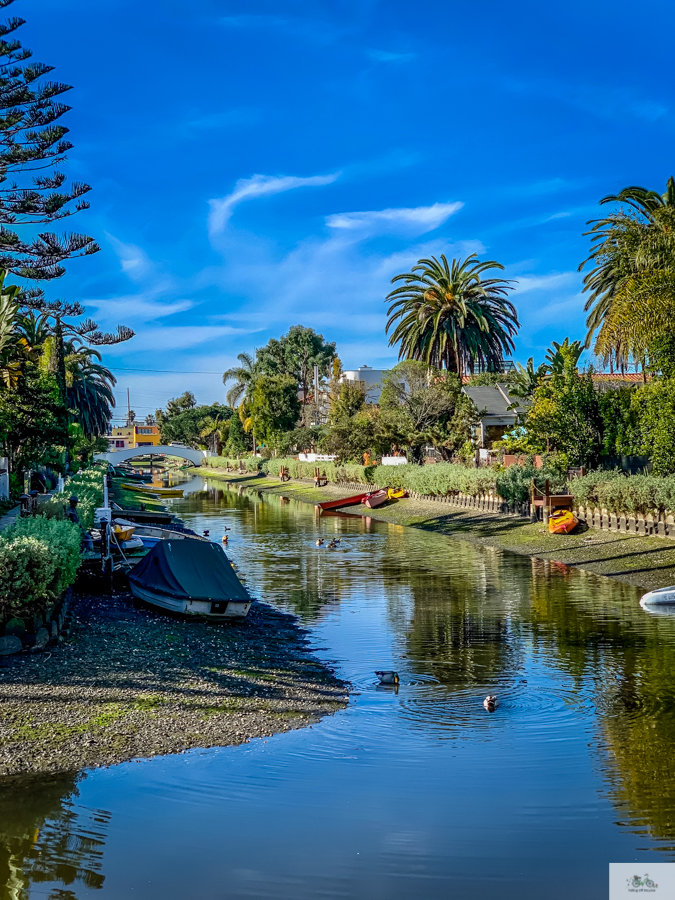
397 493
562 522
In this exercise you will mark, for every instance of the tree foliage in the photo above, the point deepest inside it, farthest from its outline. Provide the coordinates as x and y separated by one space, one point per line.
631 282
565 416
295 354
274 405
451 317
196 426
33 142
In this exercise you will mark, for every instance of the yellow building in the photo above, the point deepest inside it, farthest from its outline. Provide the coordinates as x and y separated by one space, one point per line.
128 437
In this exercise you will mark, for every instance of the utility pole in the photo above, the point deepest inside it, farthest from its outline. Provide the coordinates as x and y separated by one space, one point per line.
316 396
128 408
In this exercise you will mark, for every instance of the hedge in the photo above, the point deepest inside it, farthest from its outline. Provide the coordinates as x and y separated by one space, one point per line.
87 486
622 493
251 463
39 558
335 472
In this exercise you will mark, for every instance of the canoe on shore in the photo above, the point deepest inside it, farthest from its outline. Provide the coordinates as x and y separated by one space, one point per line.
376 499
347 501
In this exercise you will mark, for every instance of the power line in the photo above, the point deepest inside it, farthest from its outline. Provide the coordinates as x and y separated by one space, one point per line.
164 371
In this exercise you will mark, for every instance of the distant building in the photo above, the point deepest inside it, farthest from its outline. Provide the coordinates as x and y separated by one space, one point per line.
369 379
496 416
128 437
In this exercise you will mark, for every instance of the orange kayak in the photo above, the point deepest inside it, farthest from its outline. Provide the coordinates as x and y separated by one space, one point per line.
562 522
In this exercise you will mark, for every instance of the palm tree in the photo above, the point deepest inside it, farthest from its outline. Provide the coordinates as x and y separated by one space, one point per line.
631 283
89 394
450 317
527 379
558 354
213 431
243 375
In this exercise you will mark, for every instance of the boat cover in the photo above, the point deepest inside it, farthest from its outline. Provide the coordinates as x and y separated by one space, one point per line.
189 570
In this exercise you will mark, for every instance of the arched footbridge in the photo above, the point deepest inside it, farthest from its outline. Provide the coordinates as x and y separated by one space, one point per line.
115 457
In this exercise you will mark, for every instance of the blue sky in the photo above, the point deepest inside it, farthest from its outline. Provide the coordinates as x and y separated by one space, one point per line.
261 164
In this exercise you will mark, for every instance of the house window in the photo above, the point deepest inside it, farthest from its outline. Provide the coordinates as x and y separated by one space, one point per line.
119 444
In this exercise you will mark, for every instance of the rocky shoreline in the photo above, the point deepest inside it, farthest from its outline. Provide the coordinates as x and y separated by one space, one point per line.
131 682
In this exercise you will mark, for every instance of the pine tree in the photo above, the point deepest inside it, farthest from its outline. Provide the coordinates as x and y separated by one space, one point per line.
32 145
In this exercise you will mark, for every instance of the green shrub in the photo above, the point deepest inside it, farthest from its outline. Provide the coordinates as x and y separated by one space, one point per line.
514 484
335 472
616 491
39 558
251 463
87 485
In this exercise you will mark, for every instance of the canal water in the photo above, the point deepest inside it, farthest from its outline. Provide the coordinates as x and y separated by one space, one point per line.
411 793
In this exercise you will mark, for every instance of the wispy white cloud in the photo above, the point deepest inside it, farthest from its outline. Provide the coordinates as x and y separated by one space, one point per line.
550 282
387 56
417 220
134 261
259 186
139 308
175 337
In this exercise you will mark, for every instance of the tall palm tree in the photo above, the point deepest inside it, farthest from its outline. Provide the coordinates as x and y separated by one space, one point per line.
242 375
89 394
631 284
450 317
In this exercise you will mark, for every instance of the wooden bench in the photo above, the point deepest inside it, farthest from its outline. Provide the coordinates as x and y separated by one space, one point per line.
284 474
320 479
548 501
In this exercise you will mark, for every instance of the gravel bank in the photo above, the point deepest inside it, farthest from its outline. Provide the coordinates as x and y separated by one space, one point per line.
132 682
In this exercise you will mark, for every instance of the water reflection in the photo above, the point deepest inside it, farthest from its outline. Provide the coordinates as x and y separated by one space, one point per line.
46 838
574 769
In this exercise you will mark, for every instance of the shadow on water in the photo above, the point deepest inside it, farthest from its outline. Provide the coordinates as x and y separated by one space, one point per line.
576 767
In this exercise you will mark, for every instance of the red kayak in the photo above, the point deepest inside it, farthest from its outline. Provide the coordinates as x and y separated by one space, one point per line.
348 501
377 499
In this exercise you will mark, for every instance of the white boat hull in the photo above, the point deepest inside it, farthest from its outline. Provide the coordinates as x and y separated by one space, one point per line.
659 597
236 609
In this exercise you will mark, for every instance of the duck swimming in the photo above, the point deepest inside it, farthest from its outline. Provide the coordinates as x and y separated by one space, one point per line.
387 677
224 539
491 703
319 542
332 545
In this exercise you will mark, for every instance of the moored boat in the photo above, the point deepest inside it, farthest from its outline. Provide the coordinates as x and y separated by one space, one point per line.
152 534
397 493
194 578
377 498
664 596
347 501
158 517
148 490
562 521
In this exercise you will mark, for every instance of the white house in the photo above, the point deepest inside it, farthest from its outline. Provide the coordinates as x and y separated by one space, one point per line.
369 379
